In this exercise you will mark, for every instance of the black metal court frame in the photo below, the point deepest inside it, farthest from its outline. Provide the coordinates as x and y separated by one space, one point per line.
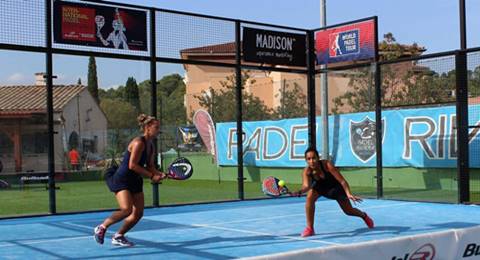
310 71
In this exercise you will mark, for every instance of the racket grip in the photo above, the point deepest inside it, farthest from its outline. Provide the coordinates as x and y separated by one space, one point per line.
295 194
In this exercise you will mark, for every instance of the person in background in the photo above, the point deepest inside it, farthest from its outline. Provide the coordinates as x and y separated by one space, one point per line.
74 158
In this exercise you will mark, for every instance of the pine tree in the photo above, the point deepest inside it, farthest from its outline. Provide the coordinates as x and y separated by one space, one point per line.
79 82
92 79
132 94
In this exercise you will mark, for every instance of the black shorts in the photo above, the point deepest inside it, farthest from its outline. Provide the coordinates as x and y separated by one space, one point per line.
333 193
124 181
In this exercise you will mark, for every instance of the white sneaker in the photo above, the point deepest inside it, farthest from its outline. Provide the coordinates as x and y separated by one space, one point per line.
121 241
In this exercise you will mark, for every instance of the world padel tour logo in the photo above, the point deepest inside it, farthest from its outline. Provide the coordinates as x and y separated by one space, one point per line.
362 138
344 43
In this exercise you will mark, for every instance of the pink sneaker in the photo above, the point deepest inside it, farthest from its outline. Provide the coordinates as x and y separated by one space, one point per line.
368 221
308 231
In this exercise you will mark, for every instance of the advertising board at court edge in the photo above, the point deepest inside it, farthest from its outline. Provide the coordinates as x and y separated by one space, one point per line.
424 252
422 138
472 250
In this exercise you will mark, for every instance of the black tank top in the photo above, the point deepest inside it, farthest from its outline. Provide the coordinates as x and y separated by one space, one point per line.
325 183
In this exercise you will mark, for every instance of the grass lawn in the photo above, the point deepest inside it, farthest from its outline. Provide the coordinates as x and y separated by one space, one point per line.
94 195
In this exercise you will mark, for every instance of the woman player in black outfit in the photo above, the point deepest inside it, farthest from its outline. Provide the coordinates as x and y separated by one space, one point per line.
321 178
127 182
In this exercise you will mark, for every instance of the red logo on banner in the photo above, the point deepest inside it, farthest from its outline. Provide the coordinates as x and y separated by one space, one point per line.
78 23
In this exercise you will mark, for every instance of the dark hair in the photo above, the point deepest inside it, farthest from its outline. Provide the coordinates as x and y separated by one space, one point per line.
144 120
312 149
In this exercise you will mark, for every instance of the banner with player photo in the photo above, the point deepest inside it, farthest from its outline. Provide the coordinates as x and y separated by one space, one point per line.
345 43
100 26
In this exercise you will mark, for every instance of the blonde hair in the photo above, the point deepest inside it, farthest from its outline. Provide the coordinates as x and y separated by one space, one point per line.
144 120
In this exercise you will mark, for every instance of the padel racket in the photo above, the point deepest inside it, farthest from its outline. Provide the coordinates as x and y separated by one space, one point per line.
180 169
271 188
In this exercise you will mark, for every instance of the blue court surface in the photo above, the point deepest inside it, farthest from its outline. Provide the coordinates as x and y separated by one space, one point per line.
226 230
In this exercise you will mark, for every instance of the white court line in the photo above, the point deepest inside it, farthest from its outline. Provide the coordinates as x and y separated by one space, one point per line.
265 234
33 242
303 214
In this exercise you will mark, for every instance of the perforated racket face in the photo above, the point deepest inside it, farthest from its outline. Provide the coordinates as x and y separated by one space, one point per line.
270 186
180 169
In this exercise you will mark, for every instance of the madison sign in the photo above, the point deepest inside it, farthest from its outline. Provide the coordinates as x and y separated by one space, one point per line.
272 47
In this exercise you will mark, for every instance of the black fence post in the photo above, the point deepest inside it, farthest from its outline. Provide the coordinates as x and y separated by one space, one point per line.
153 98
312 125
378 129
461 93
49 86
378 115
239 87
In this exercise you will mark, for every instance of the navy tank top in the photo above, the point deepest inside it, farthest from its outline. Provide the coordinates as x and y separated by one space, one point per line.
123 169
326 183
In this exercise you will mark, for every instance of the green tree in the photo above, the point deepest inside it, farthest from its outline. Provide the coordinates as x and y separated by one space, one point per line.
474 82
221 103
293 103
170 99
132 95
92 78
121 118
404 83
112 93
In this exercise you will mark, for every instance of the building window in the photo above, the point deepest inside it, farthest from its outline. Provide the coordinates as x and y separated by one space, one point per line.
34 143
6 145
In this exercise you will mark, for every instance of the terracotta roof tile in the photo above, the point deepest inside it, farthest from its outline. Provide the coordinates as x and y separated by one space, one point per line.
228 47
24 100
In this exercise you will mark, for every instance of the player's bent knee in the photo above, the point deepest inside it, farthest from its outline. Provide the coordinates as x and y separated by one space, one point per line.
137 215
126 211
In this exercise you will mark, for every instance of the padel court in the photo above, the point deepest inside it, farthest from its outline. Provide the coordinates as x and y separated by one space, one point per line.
232 230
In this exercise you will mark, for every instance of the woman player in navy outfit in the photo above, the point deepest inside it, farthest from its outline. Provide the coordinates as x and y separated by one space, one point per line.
127 182
321 178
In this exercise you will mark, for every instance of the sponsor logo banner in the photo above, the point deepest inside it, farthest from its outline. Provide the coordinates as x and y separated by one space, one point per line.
410 137
346 43
272 47
99 26
363 138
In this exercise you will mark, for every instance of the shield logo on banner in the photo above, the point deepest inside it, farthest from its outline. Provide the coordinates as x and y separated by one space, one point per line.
362 138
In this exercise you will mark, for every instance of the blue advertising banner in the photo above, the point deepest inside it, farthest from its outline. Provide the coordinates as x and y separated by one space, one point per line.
411 137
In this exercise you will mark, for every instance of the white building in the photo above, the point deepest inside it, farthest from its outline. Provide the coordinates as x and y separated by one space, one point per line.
78 121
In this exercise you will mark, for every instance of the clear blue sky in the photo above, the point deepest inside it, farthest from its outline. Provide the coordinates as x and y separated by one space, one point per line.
433 24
